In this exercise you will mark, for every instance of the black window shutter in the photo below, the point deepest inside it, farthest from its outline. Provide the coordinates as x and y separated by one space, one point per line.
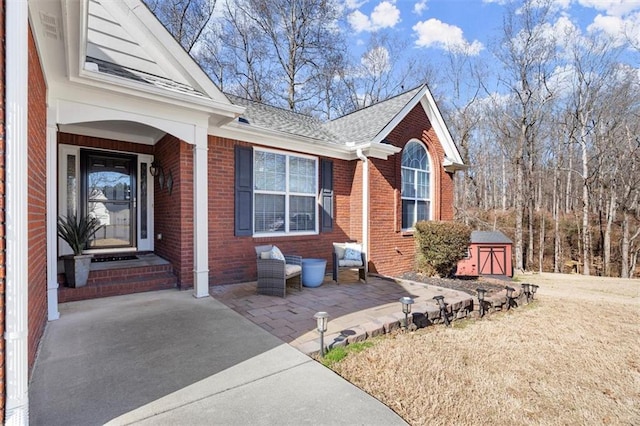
326 195
244 191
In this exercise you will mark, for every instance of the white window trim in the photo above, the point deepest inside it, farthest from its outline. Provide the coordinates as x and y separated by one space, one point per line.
431 184
287 194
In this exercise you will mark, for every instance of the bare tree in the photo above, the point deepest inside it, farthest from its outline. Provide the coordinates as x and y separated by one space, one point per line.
527 53
186 20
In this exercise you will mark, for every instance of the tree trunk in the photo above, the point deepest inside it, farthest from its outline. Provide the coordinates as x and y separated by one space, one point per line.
624 270
519 206
541 248
611 214
586 233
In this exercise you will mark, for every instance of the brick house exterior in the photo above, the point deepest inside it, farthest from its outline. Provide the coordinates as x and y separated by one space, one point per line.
164 111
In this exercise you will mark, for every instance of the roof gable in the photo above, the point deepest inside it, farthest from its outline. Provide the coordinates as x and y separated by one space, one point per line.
364 125
124 39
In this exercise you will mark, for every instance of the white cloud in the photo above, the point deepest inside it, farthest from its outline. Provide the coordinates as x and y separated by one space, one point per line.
612 7
619 29
420 7
354 4
435 33
384 15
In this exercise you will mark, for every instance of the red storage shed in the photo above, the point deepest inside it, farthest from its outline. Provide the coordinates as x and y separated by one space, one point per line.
489 254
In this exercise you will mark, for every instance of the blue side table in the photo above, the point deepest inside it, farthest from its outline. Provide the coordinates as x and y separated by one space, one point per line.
313 272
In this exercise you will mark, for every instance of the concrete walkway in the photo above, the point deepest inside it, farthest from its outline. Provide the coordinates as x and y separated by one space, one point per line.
167 358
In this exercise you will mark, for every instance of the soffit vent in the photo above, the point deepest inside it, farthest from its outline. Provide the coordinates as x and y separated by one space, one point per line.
49 25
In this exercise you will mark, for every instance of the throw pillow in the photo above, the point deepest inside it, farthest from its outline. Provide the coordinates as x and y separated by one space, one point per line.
352 252
276 253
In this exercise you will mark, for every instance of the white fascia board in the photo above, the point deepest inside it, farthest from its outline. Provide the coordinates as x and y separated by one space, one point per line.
132 88
266 137
450 148
71 24
380 151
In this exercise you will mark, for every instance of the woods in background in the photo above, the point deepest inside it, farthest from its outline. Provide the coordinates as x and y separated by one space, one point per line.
550 128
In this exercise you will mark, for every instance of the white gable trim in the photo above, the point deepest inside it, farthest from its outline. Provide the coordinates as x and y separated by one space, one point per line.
453 159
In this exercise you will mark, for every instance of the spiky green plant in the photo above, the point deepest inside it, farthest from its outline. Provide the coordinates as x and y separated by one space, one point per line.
77 231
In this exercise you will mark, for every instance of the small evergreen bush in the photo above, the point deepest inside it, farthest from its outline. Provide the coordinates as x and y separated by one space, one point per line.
440 245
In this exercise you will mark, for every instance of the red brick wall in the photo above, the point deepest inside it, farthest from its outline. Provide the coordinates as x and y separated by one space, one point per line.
100 143
392 252
231 258
2 209
37 209
173 213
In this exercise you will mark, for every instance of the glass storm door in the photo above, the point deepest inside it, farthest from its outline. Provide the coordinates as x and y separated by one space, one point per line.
109 195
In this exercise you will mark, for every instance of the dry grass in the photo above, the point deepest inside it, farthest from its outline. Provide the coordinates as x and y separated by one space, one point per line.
562 360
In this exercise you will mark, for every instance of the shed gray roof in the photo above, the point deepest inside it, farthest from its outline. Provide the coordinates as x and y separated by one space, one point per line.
358 127
365 124
489 237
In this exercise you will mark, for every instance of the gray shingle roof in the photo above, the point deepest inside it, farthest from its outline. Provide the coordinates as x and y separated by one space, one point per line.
364 125
145 78
360 126
489 237
282 120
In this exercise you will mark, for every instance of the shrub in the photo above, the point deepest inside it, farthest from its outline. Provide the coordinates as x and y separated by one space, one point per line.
440 245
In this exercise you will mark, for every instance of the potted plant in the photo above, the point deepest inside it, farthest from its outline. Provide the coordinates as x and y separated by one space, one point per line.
77 231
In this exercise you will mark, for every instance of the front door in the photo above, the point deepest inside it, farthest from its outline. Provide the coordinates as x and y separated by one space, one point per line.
109 194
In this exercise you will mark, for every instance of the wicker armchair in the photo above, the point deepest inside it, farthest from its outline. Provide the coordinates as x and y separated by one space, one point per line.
339 261
273 273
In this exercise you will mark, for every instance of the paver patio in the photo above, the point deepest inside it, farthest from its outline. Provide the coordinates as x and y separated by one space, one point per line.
357 310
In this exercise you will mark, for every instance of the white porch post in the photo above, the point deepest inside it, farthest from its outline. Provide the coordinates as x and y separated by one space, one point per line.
201 215
52 216
365 204
16 225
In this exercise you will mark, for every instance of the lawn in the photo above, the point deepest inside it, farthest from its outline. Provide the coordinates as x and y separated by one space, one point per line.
572 357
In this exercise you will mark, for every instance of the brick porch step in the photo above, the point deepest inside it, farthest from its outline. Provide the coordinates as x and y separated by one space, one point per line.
121 280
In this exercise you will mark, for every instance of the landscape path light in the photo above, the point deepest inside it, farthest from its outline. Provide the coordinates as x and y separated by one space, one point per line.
481 293
526 290
406 308
510 291
443 309
534 288
322 318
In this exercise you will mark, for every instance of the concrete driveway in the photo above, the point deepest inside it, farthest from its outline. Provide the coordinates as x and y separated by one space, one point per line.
168 358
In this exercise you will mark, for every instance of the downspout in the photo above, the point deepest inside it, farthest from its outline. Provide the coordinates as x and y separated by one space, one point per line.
16 225
365 204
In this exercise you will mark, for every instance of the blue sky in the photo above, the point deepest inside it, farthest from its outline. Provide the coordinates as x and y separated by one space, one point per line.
444 24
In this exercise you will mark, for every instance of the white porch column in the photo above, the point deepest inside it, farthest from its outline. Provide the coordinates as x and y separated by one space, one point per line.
365 204
52 217
16 225
201 215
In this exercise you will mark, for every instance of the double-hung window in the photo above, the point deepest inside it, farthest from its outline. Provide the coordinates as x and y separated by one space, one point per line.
285 188
416 184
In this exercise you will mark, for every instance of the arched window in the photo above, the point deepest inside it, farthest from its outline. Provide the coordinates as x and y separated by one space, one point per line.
416 184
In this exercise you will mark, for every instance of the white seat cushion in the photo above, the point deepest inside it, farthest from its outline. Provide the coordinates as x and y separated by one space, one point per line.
350 263
292 269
